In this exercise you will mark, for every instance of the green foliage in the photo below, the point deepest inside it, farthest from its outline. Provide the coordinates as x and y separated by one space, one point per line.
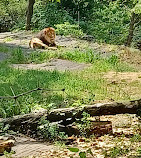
68 29
81 87
49 131
136 138
109 23
49 14
9 154
12 13
137 37
73 149
5 129
82 154
116 151
139 151
137 7
18 56
84 124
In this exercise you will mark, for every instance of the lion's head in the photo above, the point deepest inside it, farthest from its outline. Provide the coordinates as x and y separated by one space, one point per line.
50 35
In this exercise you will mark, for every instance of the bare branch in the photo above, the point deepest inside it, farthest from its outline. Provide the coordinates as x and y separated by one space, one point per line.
30 91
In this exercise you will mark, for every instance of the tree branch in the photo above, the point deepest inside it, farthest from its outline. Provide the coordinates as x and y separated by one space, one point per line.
30 91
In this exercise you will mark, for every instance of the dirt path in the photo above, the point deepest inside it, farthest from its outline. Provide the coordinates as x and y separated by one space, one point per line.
25 146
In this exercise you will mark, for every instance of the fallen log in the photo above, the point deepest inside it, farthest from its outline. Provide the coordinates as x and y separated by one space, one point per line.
26 122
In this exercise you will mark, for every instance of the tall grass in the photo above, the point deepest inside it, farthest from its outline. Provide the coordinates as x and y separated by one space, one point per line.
81 87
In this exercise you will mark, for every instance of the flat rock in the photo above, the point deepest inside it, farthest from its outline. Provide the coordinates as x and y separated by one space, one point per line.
55 64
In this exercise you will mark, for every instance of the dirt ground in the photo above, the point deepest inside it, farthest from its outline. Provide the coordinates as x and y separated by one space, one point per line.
123 77
123 124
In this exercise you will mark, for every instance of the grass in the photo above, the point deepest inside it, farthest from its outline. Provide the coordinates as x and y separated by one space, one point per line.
8 39
82 87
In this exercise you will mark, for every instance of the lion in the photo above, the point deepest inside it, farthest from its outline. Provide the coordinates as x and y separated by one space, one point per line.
45 39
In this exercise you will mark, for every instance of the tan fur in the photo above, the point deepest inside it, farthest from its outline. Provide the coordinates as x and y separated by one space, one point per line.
37 43
45 39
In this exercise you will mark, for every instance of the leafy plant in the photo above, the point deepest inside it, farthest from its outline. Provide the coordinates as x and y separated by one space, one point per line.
116 151
82 154
139 151
68 29
49 131
136 138
84 124
12 14
9 155
49 14
5 129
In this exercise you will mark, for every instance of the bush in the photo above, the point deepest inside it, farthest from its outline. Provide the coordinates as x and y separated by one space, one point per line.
109 23
12 13
137 37
68 29
49 14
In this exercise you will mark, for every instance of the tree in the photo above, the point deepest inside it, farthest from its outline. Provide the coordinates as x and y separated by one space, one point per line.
134 22
29 14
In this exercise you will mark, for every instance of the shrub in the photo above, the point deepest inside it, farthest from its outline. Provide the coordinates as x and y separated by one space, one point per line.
137 36
49 14
68 29
12 13
109 23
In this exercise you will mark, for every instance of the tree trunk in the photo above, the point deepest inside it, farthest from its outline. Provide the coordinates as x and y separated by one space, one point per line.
131 30
29 14
66 116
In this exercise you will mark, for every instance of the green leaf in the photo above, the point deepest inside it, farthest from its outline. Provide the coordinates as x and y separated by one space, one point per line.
74 149
82 154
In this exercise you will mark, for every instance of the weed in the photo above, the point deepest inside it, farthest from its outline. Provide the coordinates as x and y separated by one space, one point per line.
136 138
113 60
82 154
18 56
8 39
68 29
49 131
84 124
115 152
9 155
139 151
4 49
5 129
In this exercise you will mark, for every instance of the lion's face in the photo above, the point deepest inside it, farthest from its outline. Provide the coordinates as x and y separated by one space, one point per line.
50 35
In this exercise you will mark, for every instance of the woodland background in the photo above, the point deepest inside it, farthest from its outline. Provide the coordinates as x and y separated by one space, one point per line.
110 21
